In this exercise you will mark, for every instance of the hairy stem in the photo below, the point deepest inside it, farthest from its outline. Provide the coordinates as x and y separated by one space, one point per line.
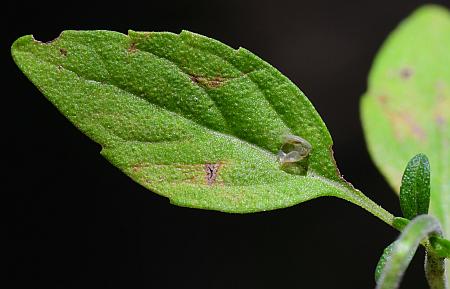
358 198
406 245
435 271
439 246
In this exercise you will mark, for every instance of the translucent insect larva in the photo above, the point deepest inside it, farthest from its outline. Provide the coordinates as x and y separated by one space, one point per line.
290 157
294 149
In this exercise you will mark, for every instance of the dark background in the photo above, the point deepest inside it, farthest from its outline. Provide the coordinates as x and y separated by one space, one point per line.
75 221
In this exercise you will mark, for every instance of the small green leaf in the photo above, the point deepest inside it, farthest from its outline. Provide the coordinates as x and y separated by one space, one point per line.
400 223
190 118
406 108
415 188
440 246
383 259
404 248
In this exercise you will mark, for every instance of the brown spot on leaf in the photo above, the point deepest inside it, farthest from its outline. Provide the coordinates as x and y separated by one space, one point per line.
137 168
414 126
212 170
406 73
440 120
212 82
184 173
132 47
63 51
441 104
383 99
399 119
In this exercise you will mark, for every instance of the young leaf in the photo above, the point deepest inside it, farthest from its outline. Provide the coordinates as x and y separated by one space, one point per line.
415 188
190 118
403 251
406 108
439 245
400 223
383 259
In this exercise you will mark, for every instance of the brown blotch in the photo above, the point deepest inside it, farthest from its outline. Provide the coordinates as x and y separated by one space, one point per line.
212 170
383 99
440 120
414 126
398 117
406 73
137 168
440 105
63 51
132 47
212 82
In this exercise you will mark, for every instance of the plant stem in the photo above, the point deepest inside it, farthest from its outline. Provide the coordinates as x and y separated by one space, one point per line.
434 264
435 271
403 251
358 198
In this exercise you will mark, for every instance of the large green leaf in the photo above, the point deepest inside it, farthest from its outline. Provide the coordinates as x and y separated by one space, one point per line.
406 109
189 117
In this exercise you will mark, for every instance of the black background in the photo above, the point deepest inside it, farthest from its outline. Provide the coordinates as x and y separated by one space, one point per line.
75 221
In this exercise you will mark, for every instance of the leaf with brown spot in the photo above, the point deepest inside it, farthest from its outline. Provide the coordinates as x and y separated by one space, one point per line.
406 108
188 117
212 171
211 82
132 47
63 51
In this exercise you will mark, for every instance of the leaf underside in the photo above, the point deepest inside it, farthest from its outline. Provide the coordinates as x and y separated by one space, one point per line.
185 116
406 109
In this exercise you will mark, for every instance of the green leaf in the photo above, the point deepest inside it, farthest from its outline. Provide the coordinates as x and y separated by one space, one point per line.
406 108
383 259
190 118
441 247
400 223
415 188
404 248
